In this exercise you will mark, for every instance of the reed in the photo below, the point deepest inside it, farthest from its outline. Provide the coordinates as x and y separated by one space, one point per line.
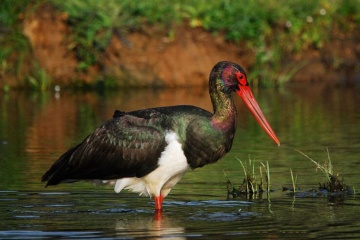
333 181
251 185
266 168
293 180
250 178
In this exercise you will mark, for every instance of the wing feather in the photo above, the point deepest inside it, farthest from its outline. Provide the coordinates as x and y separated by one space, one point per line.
125 146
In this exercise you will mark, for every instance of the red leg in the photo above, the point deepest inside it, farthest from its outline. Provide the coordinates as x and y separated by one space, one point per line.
158 202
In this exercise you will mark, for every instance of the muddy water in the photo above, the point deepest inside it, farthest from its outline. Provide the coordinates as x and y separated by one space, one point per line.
36 128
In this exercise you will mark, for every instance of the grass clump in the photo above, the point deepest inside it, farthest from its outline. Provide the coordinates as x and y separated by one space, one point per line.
334 183
250 185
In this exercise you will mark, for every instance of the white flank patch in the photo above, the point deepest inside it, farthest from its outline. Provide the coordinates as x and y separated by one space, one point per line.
172 166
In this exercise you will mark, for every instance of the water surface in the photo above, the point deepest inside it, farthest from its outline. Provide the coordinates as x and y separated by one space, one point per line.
36 128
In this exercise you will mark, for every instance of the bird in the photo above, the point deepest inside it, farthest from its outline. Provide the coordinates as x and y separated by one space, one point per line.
149 150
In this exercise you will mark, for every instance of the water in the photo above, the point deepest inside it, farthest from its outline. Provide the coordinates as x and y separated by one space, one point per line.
36 128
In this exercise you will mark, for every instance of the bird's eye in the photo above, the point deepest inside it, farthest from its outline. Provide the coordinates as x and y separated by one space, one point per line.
241 79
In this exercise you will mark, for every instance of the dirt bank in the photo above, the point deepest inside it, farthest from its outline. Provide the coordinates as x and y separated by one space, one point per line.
150 58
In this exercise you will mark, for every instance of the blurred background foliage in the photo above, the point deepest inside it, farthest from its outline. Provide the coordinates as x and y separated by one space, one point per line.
263 24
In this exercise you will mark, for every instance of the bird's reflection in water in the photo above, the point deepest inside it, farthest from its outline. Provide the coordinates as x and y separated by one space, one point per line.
159 226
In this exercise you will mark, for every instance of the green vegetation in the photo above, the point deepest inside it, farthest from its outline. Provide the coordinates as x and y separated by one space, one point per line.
14 45
39 79
250 187
94 22
333 182
293 180
263 25
250 178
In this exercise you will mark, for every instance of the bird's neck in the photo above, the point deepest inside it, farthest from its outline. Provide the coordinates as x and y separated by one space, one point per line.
224 116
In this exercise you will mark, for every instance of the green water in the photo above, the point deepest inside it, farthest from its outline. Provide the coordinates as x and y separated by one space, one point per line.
36 128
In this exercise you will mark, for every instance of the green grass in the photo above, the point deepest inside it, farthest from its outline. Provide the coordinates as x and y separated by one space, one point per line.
326 167
39 80
266 169
272 29
333 181
251 186
250 177
15 47
293 180
94 22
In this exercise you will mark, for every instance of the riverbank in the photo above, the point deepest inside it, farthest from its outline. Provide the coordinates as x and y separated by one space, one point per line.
176 55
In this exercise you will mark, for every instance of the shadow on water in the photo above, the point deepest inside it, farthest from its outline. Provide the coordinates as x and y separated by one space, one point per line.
36 128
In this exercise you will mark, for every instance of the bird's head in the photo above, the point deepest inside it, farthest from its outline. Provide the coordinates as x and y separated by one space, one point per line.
228 77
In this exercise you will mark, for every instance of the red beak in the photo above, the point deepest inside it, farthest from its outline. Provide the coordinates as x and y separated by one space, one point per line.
248 97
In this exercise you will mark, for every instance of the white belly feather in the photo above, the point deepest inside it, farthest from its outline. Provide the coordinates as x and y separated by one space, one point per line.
172 166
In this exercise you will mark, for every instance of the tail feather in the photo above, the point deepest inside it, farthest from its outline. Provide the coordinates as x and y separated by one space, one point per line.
59 171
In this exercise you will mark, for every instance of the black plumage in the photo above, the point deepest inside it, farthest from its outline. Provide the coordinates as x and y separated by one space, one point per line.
131 144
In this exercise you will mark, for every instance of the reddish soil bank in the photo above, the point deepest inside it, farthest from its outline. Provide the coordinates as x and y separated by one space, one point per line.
150 58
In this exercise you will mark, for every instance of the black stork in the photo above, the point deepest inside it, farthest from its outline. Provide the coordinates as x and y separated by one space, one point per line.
148 151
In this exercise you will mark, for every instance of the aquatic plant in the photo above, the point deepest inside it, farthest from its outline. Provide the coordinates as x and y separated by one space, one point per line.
250 179
293 180
266 169
334 183
250 186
